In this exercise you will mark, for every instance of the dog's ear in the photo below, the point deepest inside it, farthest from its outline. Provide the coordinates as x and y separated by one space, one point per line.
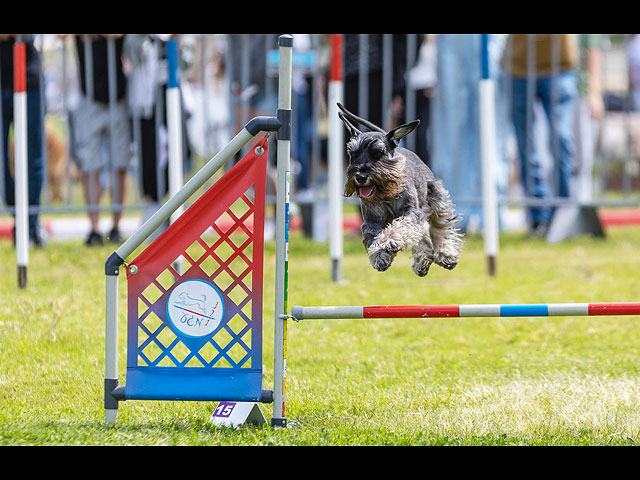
394 136
353 131
355 119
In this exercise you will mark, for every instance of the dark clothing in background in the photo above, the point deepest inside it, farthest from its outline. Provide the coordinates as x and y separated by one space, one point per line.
375 72
6 63
376 111
101 68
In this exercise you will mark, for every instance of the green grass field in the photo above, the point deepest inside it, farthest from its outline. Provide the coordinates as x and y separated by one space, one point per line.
484 381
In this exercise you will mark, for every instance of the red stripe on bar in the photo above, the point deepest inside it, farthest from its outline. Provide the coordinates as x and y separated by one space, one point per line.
411 311
335 69
632 308
19 68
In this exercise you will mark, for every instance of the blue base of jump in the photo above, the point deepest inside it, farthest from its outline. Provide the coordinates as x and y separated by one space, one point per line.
162 383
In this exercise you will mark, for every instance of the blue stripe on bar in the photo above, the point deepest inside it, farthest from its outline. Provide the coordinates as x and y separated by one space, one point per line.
524 310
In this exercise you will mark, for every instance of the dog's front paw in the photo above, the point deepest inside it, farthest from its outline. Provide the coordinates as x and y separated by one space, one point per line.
391 245
421 267
446 262
381 260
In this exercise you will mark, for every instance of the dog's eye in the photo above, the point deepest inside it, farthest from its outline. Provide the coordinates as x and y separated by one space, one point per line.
352 153
377 150
376 153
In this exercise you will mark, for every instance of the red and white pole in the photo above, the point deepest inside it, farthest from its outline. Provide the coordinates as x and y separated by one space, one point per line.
20 159
335 93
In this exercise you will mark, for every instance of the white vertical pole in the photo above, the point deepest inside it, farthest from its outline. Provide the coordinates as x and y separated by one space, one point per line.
489 156
282 219
21 159
174 124
174 132
335 157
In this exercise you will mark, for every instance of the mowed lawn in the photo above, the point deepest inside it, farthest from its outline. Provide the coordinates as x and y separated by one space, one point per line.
460 381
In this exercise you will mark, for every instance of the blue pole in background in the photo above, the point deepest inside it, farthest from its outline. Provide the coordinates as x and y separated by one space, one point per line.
172 60
484 55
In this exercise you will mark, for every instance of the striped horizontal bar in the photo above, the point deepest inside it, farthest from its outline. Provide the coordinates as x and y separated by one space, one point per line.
482 310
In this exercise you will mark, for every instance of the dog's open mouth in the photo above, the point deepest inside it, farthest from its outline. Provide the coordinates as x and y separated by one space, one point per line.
365 192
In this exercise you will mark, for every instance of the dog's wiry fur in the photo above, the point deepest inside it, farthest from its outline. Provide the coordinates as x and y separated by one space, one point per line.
403 205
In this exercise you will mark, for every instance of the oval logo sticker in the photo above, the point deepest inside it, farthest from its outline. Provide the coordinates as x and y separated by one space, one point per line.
195 307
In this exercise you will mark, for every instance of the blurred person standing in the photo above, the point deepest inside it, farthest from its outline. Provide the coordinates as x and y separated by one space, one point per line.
554 86
93 132
633 62
35 160
147 76
385 116
422 78
457 155
253 93
302 85
146 68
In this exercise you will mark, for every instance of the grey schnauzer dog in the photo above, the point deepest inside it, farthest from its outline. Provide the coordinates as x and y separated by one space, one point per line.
403 205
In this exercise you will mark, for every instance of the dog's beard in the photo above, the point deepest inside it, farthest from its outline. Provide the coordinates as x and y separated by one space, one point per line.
386 180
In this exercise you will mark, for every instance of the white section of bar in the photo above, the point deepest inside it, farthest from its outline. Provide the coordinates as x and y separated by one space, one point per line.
329 312
486 310
562 309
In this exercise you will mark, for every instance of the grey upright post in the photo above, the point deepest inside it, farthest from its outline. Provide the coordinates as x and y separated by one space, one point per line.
282 199
111 346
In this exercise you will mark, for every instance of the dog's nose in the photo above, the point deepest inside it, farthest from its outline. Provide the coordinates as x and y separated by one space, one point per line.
361 178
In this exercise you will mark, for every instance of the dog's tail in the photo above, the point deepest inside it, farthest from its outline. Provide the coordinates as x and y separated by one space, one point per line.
359 120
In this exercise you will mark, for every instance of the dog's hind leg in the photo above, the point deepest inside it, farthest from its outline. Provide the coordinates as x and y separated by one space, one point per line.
446 239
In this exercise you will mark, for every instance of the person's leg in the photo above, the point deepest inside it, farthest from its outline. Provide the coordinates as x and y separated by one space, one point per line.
87 138
302 144
92 189
558 99
35 160
120 154
7 120
530 169
121 180
149 159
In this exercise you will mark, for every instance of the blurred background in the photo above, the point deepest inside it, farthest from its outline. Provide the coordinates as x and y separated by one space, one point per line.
566 105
